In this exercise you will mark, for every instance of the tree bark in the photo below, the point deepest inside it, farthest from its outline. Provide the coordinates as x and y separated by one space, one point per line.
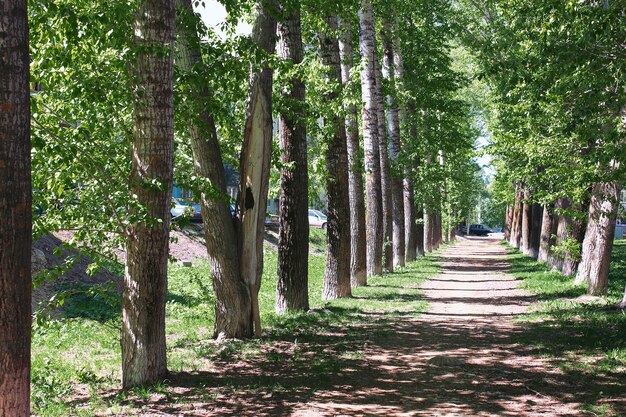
410 233
598 242
337 273
421 250
232 295
373 208
15 211
526 222
576 232
553 258
292 291
385 169
545 238
536 213
147 244
358 263
256 153
516 228
507 222
392 70
428 230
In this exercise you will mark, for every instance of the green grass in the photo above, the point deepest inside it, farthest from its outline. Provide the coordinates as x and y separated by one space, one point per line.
585 337
79 352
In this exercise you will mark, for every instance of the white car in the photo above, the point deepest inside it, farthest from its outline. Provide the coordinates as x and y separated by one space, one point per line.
317 219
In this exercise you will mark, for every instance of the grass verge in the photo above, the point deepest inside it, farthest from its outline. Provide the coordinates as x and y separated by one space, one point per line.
583 335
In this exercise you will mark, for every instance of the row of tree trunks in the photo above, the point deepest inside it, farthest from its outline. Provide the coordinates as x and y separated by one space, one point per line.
147 243
337 273
292 291
15 211
373 208
358 264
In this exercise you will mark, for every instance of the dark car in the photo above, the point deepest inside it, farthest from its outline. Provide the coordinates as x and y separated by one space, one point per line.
479 230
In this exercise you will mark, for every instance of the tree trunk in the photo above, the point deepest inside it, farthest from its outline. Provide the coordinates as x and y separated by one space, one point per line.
385 169
373 208
15 211
254 166
526 223
232 295
292 291
507 222
358 263
420 247
428 230
536 214
553 257
516 228
545 238
337 273
391 56
598 242
147 244
576 232
410 222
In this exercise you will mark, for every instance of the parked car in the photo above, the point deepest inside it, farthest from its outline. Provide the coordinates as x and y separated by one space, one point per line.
184 208
317 219
479 230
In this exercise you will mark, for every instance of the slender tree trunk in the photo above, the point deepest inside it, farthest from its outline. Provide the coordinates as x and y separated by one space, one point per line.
516 229
428 230
385 169
507 222
390 72
373 208
410 233
358 263
15 211
147 244
536 214
545 237
337 273
232 295
421 250
598 242
553 257
256 153
526 222
292 289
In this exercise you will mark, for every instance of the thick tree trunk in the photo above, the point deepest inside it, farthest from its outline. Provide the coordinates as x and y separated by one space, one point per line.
536 214
373 208
337 273
545 238
385 169
429 218
15 211
358 263
392 56
147 244
292 291
598 242
232 295
256 153
526 222
576 232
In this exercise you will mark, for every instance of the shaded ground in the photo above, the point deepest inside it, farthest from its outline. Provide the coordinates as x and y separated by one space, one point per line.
462 357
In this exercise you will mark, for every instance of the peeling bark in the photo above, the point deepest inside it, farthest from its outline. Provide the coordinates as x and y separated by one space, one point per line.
15 211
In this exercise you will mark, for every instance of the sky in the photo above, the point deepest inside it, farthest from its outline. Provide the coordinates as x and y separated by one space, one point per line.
213 13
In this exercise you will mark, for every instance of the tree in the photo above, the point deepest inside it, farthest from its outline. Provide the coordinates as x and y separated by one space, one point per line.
15 211
147 245
293 241
358 263
392 71
337 273
373 200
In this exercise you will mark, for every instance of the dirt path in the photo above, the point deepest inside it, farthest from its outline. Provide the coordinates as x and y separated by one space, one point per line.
462 357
